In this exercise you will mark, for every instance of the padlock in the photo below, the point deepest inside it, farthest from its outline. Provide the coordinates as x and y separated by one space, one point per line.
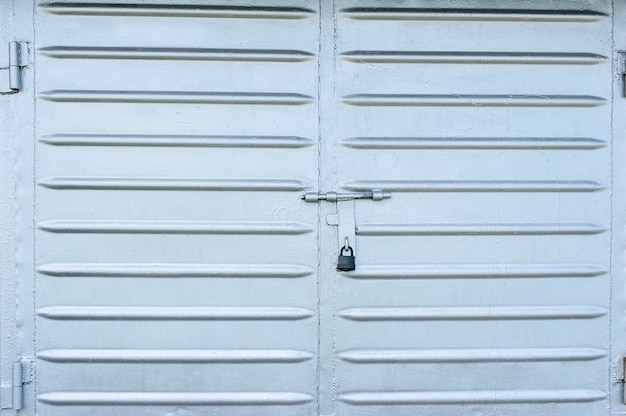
345 263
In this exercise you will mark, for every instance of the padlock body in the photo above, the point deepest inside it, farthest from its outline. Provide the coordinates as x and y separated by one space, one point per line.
345 263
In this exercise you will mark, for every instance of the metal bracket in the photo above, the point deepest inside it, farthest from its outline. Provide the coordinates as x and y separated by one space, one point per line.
344 220
621 68
18 59
622 380
12 397
346 229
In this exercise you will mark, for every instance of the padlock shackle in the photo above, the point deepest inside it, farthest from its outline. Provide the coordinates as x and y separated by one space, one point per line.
346 249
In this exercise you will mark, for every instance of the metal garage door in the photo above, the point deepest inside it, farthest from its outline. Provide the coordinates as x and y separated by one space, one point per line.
179 272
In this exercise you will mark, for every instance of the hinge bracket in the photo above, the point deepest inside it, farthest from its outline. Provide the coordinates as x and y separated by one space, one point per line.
621 68
18 59
13 396
622 379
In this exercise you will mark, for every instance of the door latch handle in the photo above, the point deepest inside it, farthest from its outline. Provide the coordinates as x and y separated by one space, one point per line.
374 194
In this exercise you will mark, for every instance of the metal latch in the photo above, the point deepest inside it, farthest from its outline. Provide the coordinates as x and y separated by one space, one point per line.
345 221
375 194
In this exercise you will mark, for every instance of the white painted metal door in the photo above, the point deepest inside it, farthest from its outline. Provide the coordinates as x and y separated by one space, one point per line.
176 264
179 272
482 285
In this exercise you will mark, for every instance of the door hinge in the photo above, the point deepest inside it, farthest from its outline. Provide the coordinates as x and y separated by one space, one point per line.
12 397
18 59
622 381
621 68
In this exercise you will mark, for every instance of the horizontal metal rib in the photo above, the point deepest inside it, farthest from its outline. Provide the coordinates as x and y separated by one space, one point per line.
480 229
452 57
193 54
171 184
173 356
174 270
475 186
175 140
464 100
472 397
175 227
172 399
175 97
177 10
173 313
455 271
472 355
496 15
473 313
478 143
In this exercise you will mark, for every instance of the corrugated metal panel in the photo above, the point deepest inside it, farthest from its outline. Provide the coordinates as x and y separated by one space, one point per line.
176 265
482 285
